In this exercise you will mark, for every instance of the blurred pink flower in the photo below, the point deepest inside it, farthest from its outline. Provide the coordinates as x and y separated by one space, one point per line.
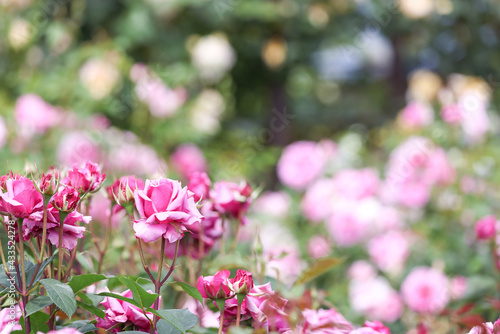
300 163
318 246
486 227
273 203
187 159
3 132
356 183
416 115
486 328
425 290
134 158
317 202
231 199
6 321
34 115
475 121
458 287
267 308
66 330
77 148
165 210
199 184
361 270
324 321
452 113
100 209
375 299
389 251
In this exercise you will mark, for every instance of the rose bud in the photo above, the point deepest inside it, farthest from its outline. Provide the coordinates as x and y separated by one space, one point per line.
486 228
8 176
122 190
66 199
48 183
215 287
85 179
199 184
242 282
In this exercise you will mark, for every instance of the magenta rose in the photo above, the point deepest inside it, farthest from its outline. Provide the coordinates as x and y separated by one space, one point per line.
215 287
71 231
486 228
242 282
21 199
166 210
231 199
66 199
85 179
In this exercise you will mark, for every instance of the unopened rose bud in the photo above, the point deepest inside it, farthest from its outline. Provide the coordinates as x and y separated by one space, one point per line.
242 283
66 199
215 287
48 182
122 190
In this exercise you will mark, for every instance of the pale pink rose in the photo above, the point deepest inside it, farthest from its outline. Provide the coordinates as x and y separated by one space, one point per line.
416 115
187 159
207 318
458 287
356 184
318 246
216 286
362 271
486 328
267 308
438 170
425 290
121 315
135 158
138 71
165 210
71 231
375 299
452 113
300 163
7 316
199 184
77 148
475 121
377 326
3 132
67 330
486 228
324 321
273 203
352 222
21 199
389 251
34 115
317 202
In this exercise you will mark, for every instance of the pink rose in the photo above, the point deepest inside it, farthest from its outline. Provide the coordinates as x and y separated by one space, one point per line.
199 184
215 287
187 159
300 163
33 114
356 183
166 209
71 231
242 282
458 287
486 228
231 199
67 330
6 326
378 327
452 113
325 322
273 203
425 290
78 147
267 308
123 189
48 182
85 179
121 315
416 115
318 246
66 199
21 199
486 328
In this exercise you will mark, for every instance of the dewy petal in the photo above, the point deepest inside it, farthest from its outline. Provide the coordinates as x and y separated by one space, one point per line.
149 232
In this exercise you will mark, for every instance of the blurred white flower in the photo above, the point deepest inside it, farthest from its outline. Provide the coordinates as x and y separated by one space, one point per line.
20 33
99 77
416 9
207 111
213 56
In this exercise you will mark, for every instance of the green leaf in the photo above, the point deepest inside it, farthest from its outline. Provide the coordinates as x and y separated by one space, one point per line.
38 321
80 282
37 304
141 296
177 321
90 298
92 309
30 268
83 326
319 267
61 294
190 290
